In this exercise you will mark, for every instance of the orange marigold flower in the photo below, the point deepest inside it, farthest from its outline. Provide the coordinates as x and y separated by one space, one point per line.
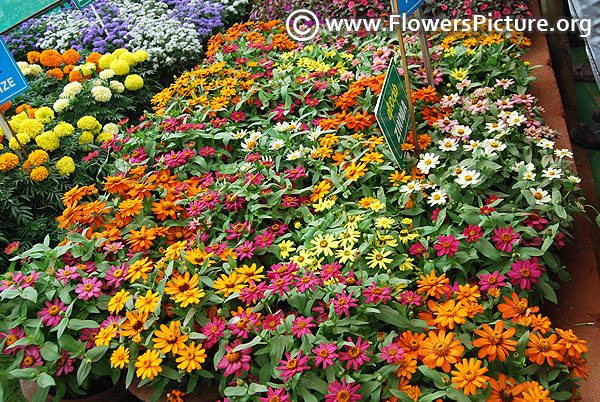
495 342
71 56
51 58
505 390
75 75
540 349
449 313
432 284
516 309
33 57
440 349
5 106
469 375
574 346
93 57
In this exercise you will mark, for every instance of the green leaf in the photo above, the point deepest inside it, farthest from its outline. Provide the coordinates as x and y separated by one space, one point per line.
486 248
393 317
170 373
235 391
76 324
458 396
23 374
41 394
96 353
547 291
44 380
255 388
30 294
84 370
50 352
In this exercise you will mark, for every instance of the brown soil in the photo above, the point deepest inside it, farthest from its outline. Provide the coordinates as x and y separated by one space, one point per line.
579 299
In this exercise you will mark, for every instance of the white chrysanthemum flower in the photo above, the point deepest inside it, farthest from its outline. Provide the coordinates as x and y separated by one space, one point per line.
276 144
36 69
448 144
106 74
541 196
61 105
101 93
428 161
410 187
438 197
552 173
468 178
562 153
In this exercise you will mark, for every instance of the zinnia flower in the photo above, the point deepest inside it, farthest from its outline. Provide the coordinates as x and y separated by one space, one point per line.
292 366
356 354
88 288
50 315
324 354
148 365
235 362
505 238
469 375
446 245
343 392
524 273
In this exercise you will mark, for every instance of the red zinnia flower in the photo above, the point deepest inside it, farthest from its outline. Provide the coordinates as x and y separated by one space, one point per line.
292 366
505 238
355 354
324 354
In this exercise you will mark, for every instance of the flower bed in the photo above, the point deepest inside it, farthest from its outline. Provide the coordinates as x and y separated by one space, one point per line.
256 234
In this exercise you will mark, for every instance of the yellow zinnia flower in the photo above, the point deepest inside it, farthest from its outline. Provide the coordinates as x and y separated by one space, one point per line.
148 365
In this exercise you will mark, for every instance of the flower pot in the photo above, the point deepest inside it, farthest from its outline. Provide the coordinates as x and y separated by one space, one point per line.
202 393
116 393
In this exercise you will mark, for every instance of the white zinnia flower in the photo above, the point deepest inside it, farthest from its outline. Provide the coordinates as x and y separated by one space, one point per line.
410 187
281 127
448 144
428 162
460 131
468 178
437 198
552 173
472 145
249 144
276 144
239 135
515 119
561 153
541 196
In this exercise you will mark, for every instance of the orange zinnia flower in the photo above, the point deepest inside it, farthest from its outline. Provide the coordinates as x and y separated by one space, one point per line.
534 392
517 309
134 324
117 184
165 208
397 177
432 284
131 207
440 349
469 376
411 343
578 367
408 366
540 349
574 346
141 239
468 293
495 342
505 390
427 94
449 313
169 339
355 171
539 323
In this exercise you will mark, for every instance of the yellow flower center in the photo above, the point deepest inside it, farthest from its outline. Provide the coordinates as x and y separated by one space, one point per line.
292 364
88 286
54 310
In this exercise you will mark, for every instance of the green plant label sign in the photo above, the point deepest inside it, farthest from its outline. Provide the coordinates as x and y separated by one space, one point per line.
392 112
82 3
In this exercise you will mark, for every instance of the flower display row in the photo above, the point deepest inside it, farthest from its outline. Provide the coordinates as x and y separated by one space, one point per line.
256 236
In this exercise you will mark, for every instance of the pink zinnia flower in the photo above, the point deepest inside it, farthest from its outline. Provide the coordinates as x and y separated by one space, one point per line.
214 330
271 322
30 280
64 365
238 230
322 311
375 294
253 292
505 238
324 354
342 392
50 315
301 326
296 173
343 303
446 245
113 247
88 288
245 250
356 353
242 324
472 233
276 395
209 199
392 353
524 273
31 357
14 334
115 275
234 202
12 248
280 284
409 297
88 335
67 273
235 362
292 366
264 240
307 282
417 249
289 201
490 281
329 271
238 116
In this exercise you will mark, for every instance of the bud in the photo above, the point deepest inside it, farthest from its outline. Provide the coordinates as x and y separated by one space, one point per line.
240 382
88 362
446 380
380 336
379 378
527 63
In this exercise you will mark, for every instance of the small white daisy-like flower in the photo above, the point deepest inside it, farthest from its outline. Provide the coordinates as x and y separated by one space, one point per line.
468 178
448 144
515 119
574 179
517 166
492 145
428 162
497 126
314 134
562 153
293 155
294 126
239 135
276 144
527 175
410 187
249 144
541 196
552 173
255 136
281 127
438 197
545 143
460 131
472 145
428 185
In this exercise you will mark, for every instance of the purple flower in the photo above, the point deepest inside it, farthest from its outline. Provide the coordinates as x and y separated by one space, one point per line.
50 315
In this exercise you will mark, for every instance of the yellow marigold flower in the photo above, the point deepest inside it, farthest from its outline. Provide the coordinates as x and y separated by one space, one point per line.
148 365
48 141
120 67
31 127
63 129
65 166
22 137
128 58
104 136
117 53
86 137
120 357
133 82
44 115
105 61
40 173
89 123
141 55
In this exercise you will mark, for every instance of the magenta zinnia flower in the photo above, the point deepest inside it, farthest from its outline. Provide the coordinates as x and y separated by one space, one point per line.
342 392
235 362
280 284
490 281
301 326
115 274
214 330
12 248
375 294
295 174
271 322
324 354
417 249
31 357
242 324
276 395
88 335
65 274
50 315
264 240
446 245
245 250
292 366
409 297
343 303
88 288
355 354
472 233
524 273
253 292
505 238
14 334
307 282
64 365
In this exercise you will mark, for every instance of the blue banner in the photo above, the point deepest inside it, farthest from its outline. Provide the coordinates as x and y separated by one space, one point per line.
12 81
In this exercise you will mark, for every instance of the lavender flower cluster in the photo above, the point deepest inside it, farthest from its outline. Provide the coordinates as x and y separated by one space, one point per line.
172 31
